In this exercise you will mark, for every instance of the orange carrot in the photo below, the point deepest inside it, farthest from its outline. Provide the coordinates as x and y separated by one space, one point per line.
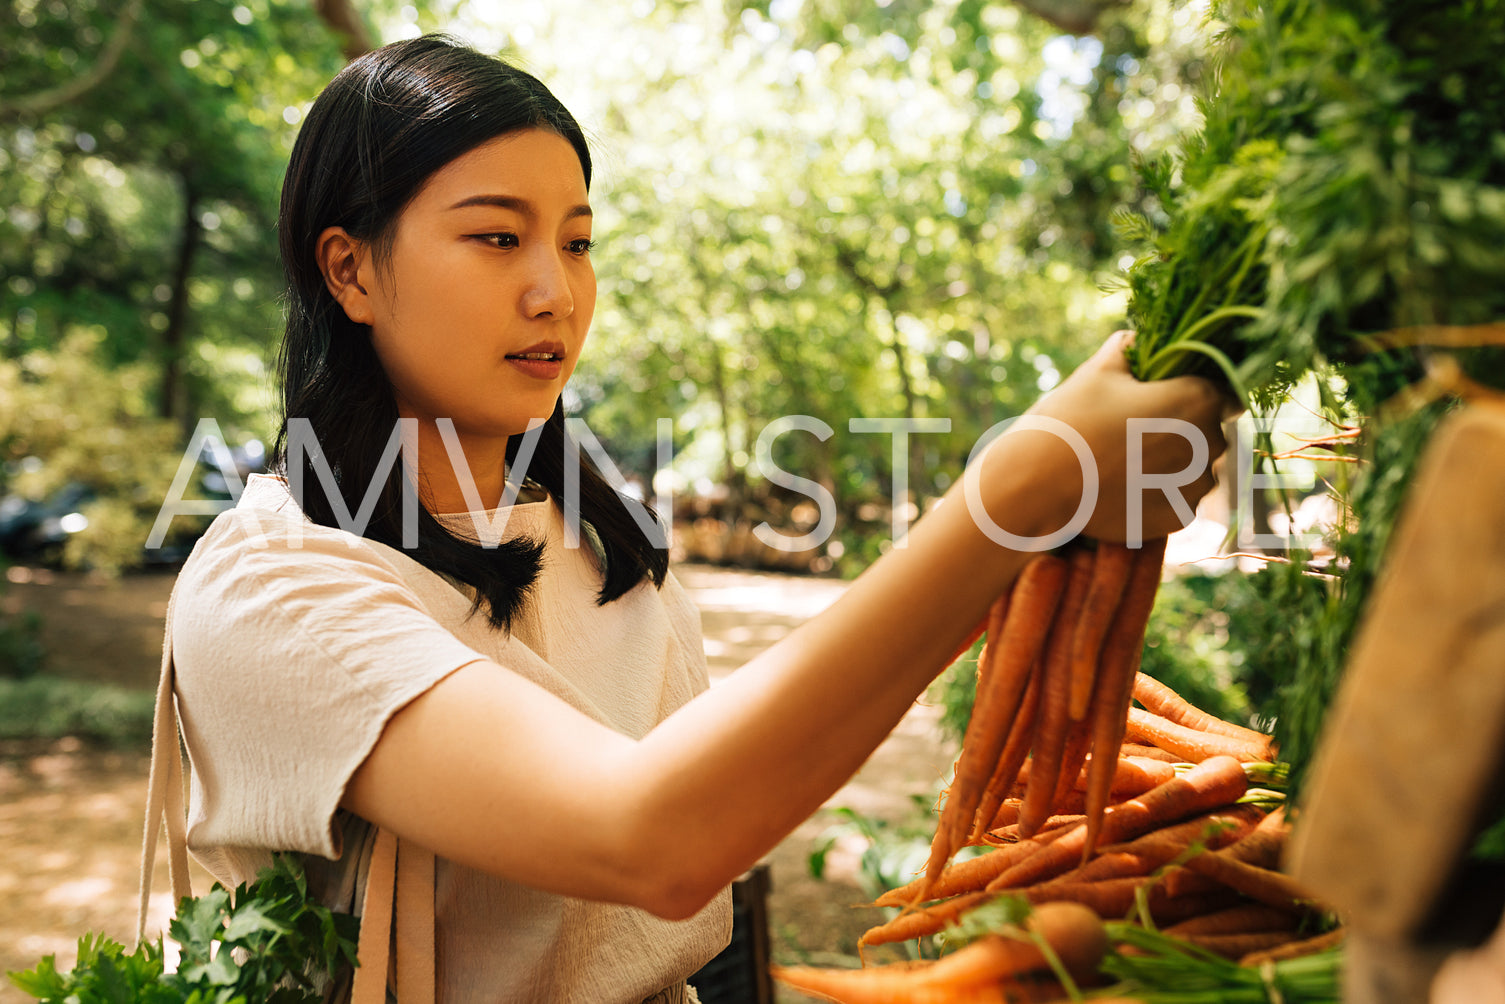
1263 845
1209 785
1164 844
1011 761
1075 935
1247 918
1110 577
1004 835
970 875
1115 897
923 921
1006 814
1296 949
971 639
1071 778
1030 611
1190 744
1166 703
1055 698
1235 946
1132 775
1116 668
1262 884
1148 752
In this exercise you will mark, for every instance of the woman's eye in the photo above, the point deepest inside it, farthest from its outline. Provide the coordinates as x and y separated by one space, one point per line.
500 240
582 246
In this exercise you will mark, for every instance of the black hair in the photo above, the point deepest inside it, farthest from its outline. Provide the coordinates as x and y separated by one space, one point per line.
386 123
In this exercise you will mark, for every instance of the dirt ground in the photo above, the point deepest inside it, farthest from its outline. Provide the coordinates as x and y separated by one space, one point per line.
71 816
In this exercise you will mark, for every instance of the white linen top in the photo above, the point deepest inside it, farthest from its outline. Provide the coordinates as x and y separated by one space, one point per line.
294 644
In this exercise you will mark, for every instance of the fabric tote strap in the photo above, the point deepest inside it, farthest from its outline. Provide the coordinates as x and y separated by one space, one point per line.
405 870
164 790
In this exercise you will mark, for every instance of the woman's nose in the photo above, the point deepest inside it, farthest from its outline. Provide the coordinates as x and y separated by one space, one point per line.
548 293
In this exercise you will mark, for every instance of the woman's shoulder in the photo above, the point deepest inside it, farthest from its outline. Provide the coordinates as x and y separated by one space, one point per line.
267 521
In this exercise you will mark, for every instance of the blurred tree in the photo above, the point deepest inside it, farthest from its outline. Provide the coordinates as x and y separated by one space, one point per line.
830 208
843 210
148 200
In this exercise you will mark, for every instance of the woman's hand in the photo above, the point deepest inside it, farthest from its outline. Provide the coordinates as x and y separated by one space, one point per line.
1146 447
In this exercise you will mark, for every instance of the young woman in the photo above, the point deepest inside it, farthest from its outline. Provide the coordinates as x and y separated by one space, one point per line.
530 707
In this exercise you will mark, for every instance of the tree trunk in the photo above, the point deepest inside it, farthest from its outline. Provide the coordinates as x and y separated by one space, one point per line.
730 476
177 307
895 345
343 19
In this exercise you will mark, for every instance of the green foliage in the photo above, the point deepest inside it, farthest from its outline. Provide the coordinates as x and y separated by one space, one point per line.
262 945
47 707
21 652
895 852
1296 656
93 425
955 690
1195 642
1349 178
1159 969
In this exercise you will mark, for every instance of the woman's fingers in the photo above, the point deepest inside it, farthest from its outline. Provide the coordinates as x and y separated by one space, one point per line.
1152 443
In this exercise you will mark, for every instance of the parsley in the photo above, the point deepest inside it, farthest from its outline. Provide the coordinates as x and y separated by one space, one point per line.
261 945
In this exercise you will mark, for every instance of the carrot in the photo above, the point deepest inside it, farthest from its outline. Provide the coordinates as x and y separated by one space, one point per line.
1115 897
1006 835
1012 760
1248 918
994 631
1075 935
1006 814
1213 783
1110 577
1131 776
1262 884
1147 753
971 639
1030 610
923 921
1296 949
1190 744
1235 946
1166 703
1078 743
970 875
1116 668
1161 846
1055 698
1263 845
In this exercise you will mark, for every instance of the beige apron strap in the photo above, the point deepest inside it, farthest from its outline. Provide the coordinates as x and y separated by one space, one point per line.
164 790
415 924
370 985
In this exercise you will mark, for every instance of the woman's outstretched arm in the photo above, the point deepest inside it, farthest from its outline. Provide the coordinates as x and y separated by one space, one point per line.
496 773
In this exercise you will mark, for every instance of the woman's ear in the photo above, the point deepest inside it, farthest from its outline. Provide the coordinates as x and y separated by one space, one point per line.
342 258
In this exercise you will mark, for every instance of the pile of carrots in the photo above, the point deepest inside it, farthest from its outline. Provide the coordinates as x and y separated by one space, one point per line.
1125 812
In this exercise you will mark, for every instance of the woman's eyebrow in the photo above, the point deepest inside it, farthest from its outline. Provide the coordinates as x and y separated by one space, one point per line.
516 204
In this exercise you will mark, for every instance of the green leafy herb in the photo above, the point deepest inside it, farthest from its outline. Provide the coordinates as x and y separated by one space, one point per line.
1348 181
1166 970
261 945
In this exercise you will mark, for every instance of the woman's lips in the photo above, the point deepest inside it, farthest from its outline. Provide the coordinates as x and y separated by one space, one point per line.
540 365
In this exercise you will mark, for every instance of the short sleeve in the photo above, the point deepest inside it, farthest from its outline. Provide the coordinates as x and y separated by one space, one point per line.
294 645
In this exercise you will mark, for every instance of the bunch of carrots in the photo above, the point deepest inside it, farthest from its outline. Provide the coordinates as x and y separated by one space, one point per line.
1084 800
1054 684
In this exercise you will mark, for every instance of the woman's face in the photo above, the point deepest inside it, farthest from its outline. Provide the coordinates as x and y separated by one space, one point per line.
481 308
